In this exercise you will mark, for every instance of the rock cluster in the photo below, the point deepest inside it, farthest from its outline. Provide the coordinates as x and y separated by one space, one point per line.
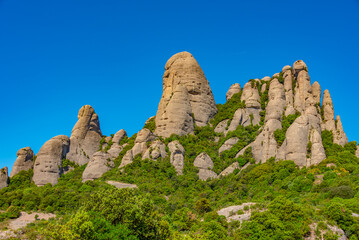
187 98
85 136
4 179
205 165
157 149
100 163
24 161
235 88
48 164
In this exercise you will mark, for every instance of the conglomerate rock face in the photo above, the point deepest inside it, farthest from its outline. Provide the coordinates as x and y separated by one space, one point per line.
24 161
48 164
4 179
85 136
186 95
100 163
235 88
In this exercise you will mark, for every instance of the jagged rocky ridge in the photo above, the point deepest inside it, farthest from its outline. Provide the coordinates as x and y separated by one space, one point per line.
187 101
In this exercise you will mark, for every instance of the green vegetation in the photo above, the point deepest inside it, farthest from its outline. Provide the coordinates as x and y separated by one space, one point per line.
151 124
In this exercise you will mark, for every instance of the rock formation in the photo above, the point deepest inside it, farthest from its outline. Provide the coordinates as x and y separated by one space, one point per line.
357 152
4 179
328 110
99 164
205 165
143 137
48 164
177 156
24 161
222 126
116 148
339 136
85 136
185 89
235 88
317 153
241 117
229 169
156 150
228 144
298 66
251 98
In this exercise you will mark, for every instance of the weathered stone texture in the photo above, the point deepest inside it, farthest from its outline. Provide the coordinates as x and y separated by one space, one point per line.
205 164
4 179
99 163
235 88
24 161
177 156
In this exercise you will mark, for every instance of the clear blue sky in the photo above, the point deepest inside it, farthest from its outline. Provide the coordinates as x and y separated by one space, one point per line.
56 56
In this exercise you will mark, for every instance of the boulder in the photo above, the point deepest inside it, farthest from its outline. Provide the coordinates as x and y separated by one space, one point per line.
221 126
85 136
4 179
99 163
48 164
183 70
205 165
115 150
24 161
230 169
117 138
286 68
156 150
339 136
328 110
298 66
228 144
177 156
266 78
264 88
235 88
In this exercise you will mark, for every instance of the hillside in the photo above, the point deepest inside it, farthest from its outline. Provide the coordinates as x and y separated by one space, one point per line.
273 162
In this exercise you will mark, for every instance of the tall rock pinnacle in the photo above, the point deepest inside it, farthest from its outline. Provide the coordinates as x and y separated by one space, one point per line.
328 109
4 179
193 99
85 136
24 161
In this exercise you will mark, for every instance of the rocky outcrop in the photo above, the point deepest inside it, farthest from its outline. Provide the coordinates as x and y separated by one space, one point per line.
288 88
298 66
222 126
357 152
205 165
303 91
143 137
117 138
265 145
177 156
120 185
229 169
24 161
156 150
295 144
251 98
328 112
317 152
116 149
48 164
85 136
186 91
99 164
228 144
241 117
235 88
339 136
4 179
317 92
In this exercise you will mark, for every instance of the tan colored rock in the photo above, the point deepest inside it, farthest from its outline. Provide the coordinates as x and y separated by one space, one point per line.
357 152
99 164
183 69
221 127
252 100
24 161
295 144
303 91
115 150
174 116
85 136
299 66
229 169
235 88
317 92
241 152
266 78
156 150
120 185
264 87
240 117
4 179
276 101
339 136
328 109
126 159
286 68
205 164
228 144
317 149
177 156
288 89
48 164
